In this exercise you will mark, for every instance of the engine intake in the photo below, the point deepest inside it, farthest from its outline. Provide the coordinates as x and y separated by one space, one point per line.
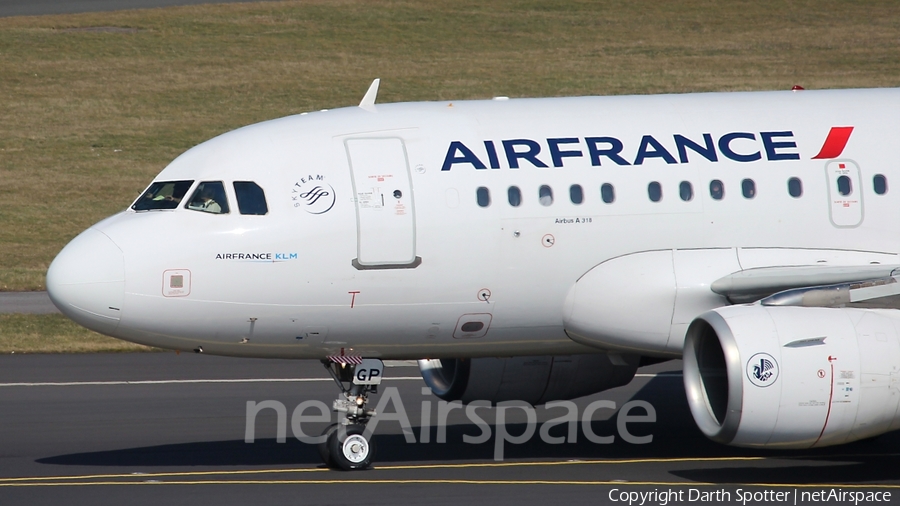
793 377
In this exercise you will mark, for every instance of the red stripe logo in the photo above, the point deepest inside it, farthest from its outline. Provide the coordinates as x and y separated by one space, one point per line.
834 143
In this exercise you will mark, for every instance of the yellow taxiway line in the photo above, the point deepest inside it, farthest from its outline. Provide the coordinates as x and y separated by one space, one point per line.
153 478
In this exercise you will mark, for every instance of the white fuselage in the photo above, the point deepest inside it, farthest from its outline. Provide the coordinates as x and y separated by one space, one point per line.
366 271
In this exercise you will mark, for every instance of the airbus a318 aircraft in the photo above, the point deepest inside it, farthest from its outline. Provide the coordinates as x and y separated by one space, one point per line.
534 249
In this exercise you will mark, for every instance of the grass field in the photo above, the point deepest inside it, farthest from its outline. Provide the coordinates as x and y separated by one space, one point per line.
92 106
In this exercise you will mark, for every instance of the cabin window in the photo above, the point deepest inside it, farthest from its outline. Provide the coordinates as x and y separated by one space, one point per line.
162 195
545 195
483 196
251 199
716 189
209 197
654 191
844 186
514 195
608 193
795 187
880 184
748 188
576 194
686 191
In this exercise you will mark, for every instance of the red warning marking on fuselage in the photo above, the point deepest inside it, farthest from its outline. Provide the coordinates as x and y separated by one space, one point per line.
353 298
834 143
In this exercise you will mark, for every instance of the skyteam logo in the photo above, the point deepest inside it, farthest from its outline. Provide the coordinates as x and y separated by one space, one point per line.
313 195
762 369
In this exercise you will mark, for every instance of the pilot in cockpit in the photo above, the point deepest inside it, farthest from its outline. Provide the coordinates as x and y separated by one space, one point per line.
205 201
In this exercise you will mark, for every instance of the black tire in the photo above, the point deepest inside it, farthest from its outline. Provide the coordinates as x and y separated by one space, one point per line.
350 449
324 448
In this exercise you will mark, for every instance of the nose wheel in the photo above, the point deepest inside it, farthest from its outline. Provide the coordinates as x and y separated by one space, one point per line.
350 448
346 447
347 444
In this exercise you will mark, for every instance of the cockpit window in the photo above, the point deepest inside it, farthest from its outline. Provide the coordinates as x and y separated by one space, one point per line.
162 195
251 198
209 197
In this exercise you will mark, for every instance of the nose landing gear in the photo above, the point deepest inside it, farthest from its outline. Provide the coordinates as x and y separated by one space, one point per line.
348 445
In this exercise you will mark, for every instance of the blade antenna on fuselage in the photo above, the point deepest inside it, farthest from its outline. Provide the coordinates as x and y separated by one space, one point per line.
368 101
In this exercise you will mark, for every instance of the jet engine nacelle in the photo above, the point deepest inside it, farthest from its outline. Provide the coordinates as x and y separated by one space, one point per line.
793 377
536 380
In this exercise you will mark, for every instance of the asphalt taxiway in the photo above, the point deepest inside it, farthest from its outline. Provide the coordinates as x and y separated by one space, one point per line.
151 428
26 302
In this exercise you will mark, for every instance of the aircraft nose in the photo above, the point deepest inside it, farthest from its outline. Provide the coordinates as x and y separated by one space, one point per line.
86 281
